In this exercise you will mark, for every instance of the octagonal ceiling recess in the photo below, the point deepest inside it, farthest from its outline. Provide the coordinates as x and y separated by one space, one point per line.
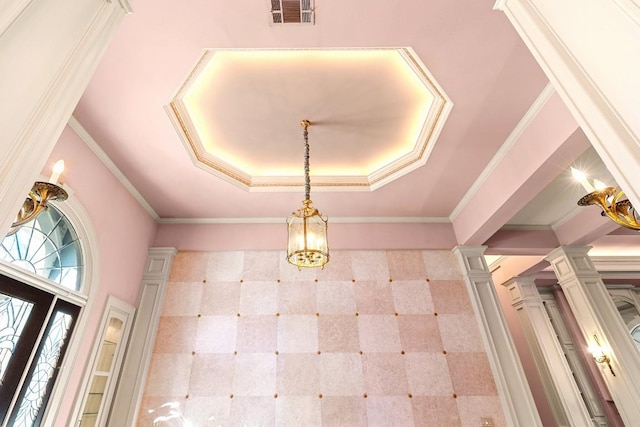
375 115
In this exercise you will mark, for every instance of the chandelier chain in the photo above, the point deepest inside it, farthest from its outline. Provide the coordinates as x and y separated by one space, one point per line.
307 180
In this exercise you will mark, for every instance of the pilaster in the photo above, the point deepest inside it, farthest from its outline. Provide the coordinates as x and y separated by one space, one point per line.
133 377
597 316
560 387
513 388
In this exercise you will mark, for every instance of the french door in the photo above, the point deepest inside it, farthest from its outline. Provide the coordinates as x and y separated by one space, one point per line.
35 327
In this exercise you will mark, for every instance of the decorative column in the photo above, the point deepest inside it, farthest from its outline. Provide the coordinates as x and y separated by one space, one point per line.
49 50
133 376
513 388
597 316
560 387
589 50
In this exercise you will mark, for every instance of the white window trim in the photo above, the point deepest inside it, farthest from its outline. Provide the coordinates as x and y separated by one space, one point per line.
83 226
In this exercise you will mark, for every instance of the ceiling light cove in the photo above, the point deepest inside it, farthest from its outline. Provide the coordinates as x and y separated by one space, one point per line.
376 115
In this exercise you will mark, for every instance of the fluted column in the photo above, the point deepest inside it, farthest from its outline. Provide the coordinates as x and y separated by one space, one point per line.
513 388
562 391
597 315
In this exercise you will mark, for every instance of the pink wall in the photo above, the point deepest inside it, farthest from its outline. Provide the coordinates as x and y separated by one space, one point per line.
124 232
377 338
216 237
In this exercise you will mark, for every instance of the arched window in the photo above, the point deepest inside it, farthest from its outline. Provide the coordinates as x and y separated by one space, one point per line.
47 246
41 286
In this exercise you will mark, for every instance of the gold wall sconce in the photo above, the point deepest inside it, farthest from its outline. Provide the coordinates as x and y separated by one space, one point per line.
599 354
612 201
41 193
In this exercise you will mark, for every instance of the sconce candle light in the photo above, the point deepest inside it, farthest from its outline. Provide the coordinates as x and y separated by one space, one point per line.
41 193
599 354
612 201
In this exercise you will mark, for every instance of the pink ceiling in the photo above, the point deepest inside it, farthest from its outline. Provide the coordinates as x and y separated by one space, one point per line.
471 50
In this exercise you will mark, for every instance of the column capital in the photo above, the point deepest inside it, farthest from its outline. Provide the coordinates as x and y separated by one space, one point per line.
522 289
472 261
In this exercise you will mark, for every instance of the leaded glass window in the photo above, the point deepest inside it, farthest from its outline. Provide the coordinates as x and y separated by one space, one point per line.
47 246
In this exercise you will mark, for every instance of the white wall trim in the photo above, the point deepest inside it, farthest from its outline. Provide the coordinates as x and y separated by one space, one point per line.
11 10
526 120
513 389
333 220
133 377
605 125
560 386
109 164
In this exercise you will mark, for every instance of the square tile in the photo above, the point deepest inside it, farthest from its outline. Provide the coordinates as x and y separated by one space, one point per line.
253 411
436 411
169 375
419 333
385 374
258 297
412 297
297 334
379 333
254 374
338 333
460 333
428 374
298 374
211 375
341 374
155 409
220 298
406 265
189 266
176 334
473 408
257 334
207 411
344 411
182 299
291 273
442 265
389 411
373 297
225 266
216 334
369 265
338 268
450 297
261 265
297 298
335 298
295 411
471 374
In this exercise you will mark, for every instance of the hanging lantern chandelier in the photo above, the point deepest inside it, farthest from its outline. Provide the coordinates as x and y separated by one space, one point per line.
307 245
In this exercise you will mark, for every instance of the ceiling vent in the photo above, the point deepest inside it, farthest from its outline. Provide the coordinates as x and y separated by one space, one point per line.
292 12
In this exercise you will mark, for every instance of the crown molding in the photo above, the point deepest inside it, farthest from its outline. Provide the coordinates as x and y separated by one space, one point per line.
109 164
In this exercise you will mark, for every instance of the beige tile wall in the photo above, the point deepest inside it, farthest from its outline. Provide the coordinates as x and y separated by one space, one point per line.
379 338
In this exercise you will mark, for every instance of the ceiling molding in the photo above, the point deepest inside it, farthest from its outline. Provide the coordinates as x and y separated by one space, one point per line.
617 263
184 115
333 220
528 117
106 160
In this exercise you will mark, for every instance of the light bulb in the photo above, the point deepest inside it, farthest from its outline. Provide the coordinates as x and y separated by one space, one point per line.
582 178
58 168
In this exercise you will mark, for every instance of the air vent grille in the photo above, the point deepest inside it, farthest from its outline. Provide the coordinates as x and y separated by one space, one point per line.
292 11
